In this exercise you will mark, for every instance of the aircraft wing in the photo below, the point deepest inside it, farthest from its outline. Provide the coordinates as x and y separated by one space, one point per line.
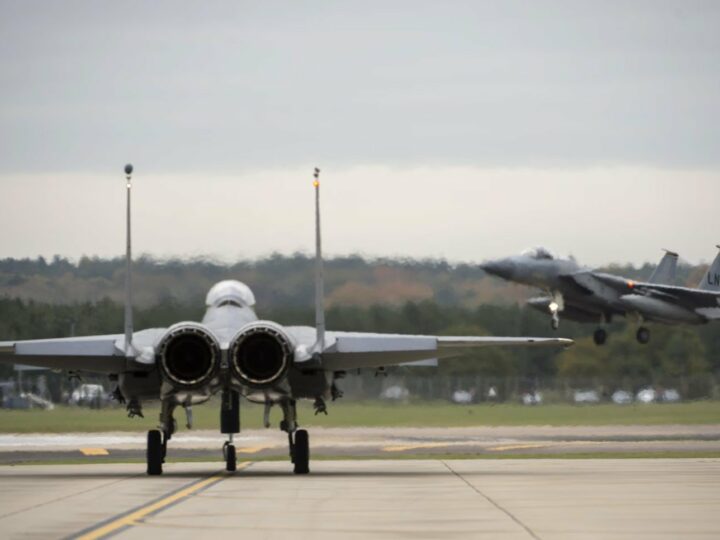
95 353
353 350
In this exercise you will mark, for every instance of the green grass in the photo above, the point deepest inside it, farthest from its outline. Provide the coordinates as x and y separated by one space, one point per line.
374 414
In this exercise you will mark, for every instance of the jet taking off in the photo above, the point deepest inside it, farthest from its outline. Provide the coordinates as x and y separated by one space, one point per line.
581 294
670 304
234 354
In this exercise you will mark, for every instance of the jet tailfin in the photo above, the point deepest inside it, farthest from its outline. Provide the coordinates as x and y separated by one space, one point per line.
666 270
319 277
129 350
711 280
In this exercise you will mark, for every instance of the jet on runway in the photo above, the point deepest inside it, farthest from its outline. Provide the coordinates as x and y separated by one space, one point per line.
583 295
233 353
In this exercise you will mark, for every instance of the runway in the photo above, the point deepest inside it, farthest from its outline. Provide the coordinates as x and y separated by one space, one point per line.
506 499
377 443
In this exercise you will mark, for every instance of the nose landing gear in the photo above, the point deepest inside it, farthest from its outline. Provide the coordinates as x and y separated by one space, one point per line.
230 455
556 305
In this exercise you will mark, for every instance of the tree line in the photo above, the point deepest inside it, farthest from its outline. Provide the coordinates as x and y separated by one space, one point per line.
684 357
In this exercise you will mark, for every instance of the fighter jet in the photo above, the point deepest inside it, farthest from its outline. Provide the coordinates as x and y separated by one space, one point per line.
670 304
234 354
579 293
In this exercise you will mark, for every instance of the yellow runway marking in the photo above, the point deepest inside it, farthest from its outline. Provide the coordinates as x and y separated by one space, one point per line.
403 448
516 447
251 449
94 452
135 516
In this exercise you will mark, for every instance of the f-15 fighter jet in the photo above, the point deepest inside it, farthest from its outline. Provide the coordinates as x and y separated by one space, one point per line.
232 353
581 294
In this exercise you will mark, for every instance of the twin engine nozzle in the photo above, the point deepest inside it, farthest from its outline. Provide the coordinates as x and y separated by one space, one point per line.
259 355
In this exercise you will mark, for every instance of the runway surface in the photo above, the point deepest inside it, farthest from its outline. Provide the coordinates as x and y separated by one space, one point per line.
375 442
506 499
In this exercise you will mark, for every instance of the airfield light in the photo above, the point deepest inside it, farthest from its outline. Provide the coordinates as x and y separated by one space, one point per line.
316 175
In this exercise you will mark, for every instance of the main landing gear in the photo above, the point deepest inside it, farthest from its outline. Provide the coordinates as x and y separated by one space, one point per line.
600 336
643 335
156 450
298 439
157 439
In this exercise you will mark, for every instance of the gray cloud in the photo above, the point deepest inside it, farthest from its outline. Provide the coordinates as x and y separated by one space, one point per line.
228 86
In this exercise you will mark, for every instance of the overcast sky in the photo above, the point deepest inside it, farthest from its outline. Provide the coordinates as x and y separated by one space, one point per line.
464 130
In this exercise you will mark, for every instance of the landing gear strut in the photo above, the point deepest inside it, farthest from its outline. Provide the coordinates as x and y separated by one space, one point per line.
230 424
298 439
557 304
643 335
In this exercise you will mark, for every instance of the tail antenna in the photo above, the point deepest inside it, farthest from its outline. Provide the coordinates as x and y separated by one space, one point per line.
319 278
129 349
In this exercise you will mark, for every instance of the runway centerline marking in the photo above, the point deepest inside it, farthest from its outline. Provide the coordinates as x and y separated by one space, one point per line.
133 517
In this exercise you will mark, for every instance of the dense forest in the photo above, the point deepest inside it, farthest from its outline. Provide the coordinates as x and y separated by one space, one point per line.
407 296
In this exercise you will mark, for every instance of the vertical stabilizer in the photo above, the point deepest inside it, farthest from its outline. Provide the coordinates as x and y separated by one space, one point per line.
319 278
711 280
129 350
666 270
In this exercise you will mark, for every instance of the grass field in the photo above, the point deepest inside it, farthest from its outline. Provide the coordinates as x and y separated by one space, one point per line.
373 414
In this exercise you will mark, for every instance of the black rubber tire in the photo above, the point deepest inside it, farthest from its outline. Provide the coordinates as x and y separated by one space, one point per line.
554 323
301 452
230 458
155 453
600 336
643 335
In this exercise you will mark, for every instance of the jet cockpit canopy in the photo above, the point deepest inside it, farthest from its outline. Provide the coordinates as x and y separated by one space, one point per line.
538 253
230 292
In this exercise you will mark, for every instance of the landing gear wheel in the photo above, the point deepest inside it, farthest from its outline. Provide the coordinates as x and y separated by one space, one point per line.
643 335
600 336
155 453
555 322
230 458
301 452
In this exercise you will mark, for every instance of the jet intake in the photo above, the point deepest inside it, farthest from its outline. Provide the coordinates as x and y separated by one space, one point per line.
189 355
260 354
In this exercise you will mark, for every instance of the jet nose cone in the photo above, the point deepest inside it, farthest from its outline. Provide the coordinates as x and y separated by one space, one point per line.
502 268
